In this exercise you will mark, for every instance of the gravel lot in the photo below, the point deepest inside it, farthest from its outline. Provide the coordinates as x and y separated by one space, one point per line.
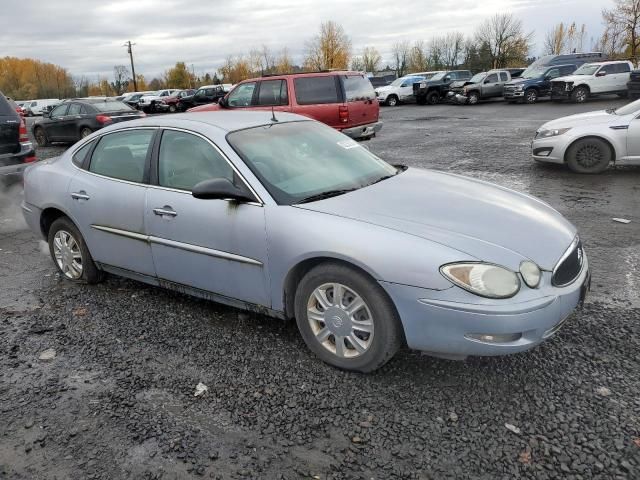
117 401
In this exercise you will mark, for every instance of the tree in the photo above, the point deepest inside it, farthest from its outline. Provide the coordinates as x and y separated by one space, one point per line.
505 37
555 40
120 79
400 57
330 49
284 64
156 84
418 60
179 76
624 18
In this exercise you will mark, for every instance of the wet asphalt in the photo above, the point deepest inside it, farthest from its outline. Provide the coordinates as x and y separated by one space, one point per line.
117 401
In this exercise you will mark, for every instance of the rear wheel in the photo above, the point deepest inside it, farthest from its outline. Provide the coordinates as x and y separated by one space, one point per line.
580 94
347 319
392 100
85 132
70 253
41 137
531 96
589 155
433 98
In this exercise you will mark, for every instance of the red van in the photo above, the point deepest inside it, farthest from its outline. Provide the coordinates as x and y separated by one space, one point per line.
343 100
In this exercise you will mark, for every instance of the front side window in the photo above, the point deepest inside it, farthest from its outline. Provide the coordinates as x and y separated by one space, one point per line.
316 90
242 95
273 92
553 73
60 111
122 155
358 87
185 160
493 78
478 77
74 109
297 160
587 69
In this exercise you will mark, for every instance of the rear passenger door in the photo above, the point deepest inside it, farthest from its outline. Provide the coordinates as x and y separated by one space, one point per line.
318 97
273 94
623 72
360 96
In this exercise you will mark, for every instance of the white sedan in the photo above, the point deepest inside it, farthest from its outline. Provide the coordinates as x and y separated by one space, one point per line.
589 142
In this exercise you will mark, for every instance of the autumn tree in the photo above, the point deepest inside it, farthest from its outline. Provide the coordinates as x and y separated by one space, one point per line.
329 49
283 63
121 77
504 35
400 51
418 60
624 19
179 76
555 40
26 78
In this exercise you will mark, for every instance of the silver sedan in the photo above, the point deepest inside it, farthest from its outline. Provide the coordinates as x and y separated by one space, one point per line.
287 217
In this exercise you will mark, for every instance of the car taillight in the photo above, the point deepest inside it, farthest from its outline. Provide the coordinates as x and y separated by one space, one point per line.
24 136
103 119
30 159
343 114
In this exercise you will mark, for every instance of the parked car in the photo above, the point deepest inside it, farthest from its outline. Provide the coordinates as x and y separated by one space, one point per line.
203 96
633 85
401 89
435 89
206 204
535 83
482 86
344 100
35 107
75 119
589 142
16 151
133 98
593 79
170 104
149 102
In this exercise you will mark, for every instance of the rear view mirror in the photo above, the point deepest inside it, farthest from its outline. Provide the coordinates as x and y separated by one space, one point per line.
221 189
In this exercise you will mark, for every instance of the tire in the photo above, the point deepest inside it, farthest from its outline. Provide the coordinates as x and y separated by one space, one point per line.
530 96
172 108
433 98
580 94
377 314
85 132
589 155
473 98
81 269
392 100
41 137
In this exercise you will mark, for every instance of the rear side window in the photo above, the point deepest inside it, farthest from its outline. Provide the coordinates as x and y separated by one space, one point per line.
358 88
504 77
609 69
111 106
273 92
622 68
81 154
316 90
122 155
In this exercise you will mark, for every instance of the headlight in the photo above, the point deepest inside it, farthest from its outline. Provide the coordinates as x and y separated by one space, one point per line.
519 87
531 273
484 279
423 85
552 133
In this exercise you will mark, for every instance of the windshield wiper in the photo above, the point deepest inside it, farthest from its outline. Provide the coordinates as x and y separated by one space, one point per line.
327 194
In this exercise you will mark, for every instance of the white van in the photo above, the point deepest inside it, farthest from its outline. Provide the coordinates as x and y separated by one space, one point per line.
35 106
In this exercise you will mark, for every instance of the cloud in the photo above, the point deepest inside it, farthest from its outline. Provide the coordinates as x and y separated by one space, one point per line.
87 37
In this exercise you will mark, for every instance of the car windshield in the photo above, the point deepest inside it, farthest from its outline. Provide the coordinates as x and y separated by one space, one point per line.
111 106
533 73
628 109
478 77
304 161
587 69
438 76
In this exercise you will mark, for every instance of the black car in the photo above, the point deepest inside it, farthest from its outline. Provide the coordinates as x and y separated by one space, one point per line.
435 89
16 151
203 96
75 119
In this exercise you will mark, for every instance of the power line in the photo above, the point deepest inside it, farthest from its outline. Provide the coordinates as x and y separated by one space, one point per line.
133 70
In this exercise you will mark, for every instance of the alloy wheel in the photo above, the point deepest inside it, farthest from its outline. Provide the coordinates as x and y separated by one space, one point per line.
589 155
66 251
531 96
41 137
340 320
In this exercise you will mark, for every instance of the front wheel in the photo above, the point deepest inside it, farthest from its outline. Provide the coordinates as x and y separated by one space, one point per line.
172 108
347 319
433 98
580 95
473 98
531 96
589 155
392 100
70 253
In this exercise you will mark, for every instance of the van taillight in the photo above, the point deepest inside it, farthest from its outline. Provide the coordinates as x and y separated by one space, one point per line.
24 136
343 114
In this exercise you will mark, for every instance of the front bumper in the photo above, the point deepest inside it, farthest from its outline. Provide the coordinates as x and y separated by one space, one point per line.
550 150
447 323
363 131
513 94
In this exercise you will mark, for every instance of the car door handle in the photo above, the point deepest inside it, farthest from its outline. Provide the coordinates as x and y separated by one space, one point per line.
165 211
81 195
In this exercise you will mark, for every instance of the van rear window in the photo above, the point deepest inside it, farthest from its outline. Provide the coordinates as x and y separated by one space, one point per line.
315 90
358 88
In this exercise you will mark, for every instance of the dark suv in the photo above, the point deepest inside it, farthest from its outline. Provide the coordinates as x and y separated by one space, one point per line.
203 96
435 89
16 151
343 100
535 83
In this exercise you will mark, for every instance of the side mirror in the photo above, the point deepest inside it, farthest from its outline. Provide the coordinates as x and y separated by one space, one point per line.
447 78
601 74
223 102
46 114
221 189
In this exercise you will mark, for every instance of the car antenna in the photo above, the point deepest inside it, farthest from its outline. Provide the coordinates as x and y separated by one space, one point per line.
273 115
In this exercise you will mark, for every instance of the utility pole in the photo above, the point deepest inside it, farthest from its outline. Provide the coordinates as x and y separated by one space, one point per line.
133 70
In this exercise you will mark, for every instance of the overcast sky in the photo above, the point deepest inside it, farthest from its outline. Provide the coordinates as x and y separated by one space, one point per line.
86 36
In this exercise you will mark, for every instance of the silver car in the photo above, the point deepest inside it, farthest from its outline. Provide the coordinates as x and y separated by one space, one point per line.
287 217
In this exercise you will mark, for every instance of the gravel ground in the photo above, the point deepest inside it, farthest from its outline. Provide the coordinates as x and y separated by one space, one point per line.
117 400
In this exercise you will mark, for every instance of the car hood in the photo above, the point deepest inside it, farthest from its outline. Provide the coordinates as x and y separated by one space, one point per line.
572 78
385 89
520 81
479 219
460 84
591 118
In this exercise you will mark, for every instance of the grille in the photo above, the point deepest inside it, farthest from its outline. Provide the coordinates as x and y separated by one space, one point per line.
569 266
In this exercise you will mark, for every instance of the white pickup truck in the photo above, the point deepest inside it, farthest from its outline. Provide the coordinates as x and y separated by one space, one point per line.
593 79
148 101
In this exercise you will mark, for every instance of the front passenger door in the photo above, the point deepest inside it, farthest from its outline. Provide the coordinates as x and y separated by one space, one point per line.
491 86
214 245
